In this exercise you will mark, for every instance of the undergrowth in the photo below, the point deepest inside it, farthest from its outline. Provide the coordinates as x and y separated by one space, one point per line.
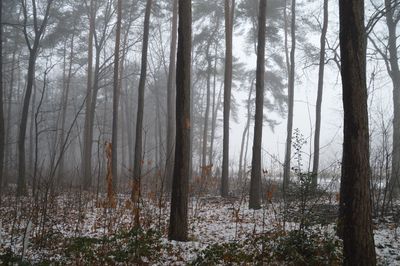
275 248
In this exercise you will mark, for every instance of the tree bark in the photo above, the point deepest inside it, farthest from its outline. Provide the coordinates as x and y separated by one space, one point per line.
33 48
2 129
229 15
289 130
137 164
170 99
255 181
178 226
116 92
319 97
355 221
87 141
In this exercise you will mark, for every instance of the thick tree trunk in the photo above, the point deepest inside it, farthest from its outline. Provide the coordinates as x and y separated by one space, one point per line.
319 96
87 140
178 226
137 164
229 15
116 92
255 182
355 221
170 100
2 130
289 130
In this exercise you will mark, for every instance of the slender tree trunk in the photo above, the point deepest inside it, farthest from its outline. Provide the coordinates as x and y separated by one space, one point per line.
288 153
255 181
319 96
137 164
114 138
64 108
229 15
21 183
207 111
178 226
392 22
170 99
355 221
33 47
214 111
87 141
8 139
245 131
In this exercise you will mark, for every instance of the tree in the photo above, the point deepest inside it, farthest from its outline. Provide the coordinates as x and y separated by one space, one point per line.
137 164
319 96
87 137
355 221
229 15
178 224
93 80
255 182
114 140
33 47
170 99
2 131
392 65
289 130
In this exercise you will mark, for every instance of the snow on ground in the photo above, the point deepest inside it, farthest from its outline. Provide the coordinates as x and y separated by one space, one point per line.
212 220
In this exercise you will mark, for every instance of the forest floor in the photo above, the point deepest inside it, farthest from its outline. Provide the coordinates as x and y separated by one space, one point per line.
75 228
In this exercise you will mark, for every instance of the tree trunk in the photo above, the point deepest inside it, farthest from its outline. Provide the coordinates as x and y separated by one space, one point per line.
214 111
21 183
319 97
87 141
394 74
245 132
64 105
229 15
116 92
137 163
207 111
255 181
289 130
2 130
170 100
8 151
355 221
178 226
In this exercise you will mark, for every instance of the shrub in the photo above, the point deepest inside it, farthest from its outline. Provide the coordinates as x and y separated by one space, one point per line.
275 248
135 246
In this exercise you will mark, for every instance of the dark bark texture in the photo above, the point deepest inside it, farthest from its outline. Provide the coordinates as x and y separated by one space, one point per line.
255 182
137 164
355 221
178 225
